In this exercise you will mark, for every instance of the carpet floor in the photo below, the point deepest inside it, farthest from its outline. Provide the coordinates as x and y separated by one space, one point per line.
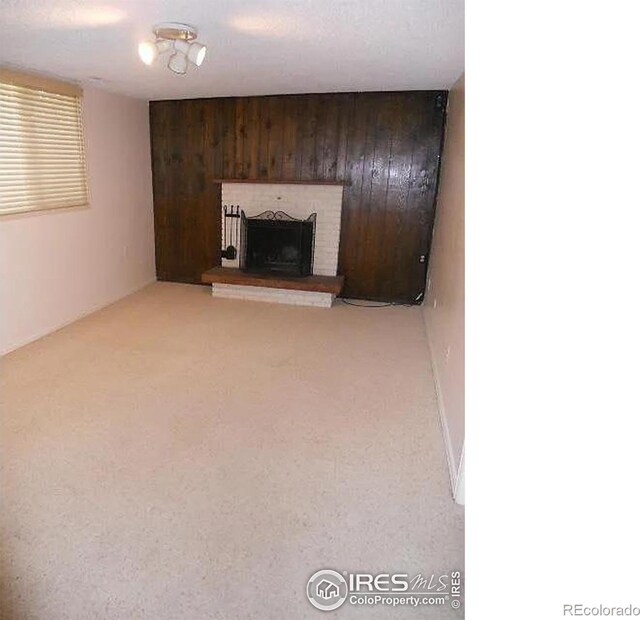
175 456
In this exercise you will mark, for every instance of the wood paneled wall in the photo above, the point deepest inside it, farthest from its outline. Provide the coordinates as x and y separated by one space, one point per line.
385 147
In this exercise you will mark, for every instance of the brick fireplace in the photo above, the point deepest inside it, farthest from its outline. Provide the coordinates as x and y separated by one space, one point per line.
299 201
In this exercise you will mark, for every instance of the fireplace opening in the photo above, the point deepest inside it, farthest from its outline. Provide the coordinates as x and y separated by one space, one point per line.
276 243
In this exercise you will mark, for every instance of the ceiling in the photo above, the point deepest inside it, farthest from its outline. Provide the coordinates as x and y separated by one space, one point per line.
254 47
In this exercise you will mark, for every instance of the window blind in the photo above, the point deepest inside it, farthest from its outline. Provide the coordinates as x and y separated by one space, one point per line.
42 162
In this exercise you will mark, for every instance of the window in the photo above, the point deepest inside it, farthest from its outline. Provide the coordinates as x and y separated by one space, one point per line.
42 164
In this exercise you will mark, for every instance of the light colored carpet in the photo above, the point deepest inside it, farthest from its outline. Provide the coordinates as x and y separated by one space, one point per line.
176 456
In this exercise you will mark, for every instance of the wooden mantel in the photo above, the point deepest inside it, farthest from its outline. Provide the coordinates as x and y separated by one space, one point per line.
279 182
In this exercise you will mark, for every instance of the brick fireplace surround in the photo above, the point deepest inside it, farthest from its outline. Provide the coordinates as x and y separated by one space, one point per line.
298 201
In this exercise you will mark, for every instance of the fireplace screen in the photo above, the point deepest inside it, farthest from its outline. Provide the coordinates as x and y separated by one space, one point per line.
276 243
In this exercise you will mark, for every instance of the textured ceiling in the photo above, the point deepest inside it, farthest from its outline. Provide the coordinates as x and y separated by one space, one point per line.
255 47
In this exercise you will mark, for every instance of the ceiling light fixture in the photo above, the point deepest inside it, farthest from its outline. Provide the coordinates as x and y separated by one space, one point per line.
180 39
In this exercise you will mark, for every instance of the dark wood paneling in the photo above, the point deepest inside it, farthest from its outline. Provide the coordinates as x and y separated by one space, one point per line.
186 203
385 147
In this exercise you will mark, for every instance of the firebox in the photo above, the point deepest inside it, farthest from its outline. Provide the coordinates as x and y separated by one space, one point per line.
276 243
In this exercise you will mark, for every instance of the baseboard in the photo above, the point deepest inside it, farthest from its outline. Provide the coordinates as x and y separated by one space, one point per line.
93 309
460 481
454 472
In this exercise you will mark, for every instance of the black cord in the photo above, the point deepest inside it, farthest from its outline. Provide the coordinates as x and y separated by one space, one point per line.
350 303
381 305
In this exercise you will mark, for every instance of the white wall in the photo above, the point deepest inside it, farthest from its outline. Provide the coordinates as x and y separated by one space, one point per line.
56 266
444 305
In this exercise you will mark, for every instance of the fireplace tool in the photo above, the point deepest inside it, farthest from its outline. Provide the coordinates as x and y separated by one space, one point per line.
231 232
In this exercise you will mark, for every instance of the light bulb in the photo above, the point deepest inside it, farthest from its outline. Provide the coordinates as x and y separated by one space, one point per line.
197 52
